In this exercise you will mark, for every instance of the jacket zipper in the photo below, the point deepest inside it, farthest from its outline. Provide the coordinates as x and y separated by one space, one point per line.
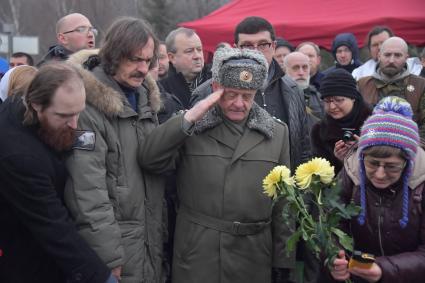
264 99
380 220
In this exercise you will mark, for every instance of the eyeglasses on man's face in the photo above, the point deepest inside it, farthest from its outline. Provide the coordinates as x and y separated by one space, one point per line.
373 165
83 29
260 46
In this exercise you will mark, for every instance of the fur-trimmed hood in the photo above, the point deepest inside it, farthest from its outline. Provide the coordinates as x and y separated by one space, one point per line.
258 119
351 165
103 96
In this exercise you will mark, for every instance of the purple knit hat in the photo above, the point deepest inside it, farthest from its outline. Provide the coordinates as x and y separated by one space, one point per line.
391 124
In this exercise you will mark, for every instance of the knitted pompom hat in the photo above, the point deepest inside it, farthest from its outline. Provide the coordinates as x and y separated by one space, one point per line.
390 124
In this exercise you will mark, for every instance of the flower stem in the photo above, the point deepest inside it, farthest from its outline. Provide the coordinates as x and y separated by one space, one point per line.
300 206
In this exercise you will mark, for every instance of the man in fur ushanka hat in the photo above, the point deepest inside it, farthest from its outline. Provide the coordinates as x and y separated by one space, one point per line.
221 150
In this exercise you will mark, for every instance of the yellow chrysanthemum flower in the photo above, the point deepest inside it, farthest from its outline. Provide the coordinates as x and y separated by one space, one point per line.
317 166
276 175
286 176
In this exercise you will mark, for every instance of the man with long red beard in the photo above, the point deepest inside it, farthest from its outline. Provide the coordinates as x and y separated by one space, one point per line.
38 241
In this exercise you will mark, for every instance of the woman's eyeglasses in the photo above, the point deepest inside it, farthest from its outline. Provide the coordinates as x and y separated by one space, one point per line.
374 165
335 100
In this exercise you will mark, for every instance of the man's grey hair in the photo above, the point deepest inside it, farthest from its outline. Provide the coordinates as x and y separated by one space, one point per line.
170 40
312 44
293 54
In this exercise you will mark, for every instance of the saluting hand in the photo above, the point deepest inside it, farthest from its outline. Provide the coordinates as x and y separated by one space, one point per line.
200 108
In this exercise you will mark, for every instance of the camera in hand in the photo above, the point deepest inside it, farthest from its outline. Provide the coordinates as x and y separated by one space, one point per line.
348 134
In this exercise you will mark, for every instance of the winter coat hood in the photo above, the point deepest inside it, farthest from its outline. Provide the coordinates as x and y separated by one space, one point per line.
349 40
351 166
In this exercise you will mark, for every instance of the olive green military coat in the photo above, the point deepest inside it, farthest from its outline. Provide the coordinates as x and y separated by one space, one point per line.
219 185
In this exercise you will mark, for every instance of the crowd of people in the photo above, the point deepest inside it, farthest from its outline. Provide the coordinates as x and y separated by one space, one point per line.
139 162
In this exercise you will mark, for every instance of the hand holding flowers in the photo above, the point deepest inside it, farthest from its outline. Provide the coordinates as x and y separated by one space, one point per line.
312 197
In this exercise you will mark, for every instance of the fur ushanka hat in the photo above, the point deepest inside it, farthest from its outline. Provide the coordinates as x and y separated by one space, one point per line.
239 68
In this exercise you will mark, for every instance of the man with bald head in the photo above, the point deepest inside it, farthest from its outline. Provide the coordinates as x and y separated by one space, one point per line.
74 32
392 77
297 67
312 50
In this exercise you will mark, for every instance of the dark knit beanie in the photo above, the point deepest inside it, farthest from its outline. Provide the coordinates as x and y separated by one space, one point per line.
339 82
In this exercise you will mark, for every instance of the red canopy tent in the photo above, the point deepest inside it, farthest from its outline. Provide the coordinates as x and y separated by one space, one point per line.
315 20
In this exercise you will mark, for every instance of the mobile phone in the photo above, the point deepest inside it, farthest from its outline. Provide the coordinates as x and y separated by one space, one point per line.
361 260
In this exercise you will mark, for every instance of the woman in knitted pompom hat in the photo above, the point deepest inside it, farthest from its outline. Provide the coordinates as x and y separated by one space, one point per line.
386 176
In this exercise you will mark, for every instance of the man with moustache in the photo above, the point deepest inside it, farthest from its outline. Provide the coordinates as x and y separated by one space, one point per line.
376 36
297 67
392 77
38 240
312 50
74 32
187 70
118 206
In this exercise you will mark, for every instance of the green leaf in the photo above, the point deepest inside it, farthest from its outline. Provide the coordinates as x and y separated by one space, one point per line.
333 219
292 241
353 209
345 240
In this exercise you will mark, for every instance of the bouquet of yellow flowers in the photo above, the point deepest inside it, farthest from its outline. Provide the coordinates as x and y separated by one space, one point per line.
313 183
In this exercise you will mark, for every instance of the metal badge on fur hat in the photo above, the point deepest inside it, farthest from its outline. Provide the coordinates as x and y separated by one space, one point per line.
236 68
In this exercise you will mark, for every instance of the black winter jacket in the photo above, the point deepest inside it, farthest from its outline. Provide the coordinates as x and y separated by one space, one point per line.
176 84
38 241
327 132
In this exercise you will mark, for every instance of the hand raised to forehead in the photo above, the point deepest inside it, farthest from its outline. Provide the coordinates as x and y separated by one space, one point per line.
200 108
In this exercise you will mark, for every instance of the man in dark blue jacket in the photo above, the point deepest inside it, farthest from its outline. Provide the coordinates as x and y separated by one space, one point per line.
38 241
345 51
